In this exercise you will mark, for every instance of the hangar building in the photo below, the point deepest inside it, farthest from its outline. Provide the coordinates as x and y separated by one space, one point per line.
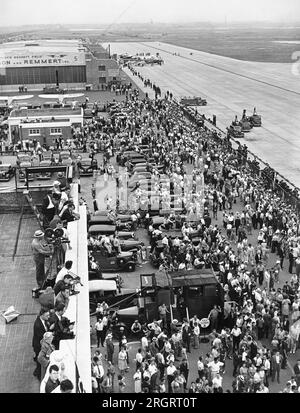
67 64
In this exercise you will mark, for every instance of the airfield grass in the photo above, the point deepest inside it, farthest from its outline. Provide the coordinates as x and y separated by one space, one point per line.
259 45
249 43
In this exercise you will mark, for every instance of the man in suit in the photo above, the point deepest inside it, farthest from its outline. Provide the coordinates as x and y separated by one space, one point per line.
110 348
41 325
55 324
276 361
49 207
186 335
40 249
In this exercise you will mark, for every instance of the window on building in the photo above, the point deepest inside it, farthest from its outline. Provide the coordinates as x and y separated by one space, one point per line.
102 79
34 132
194 292
55 131
101 68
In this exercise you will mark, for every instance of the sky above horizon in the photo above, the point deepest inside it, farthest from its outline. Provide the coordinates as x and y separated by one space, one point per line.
110 12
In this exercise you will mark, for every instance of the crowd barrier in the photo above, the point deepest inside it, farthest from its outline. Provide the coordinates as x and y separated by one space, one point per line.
258 168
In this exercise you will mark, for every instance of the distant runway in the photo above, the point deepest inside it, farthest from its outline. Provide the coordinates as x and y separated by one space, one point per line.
230 86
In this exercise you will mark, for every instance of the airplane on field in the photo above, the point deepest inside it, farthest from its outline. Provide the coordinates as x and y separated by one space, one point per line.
60 98
8 100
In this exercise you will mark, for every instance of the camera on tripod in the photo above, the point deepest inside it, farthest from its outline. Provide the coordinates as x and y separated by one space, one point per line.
56 236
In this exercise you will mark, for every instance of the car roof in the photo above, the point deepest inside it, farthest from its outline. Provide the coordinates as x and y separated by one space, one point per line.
102 285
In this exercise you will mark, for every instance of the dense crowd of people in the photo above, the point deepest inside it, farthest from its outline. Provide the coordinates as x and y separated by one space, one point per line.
239 226
254 308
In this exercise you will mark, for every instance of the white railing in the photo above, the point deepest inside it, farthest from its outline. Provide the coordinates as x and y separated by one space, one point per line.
76 352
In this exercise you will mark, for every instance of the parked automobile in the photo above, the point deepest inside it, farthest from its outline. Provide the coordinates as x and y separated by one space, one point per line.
6 171
125 261
22 171
130 244
102 230
65 158
23 157
44 175
86 166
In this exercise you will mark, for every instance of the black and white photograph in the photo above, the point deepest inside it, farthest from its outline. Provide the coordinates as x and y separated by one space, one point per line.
149 199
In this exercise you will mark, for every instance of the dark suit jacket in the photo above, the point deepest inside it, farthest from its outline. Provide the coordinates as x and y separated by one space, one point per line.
274 365
49 213
38 332
186 333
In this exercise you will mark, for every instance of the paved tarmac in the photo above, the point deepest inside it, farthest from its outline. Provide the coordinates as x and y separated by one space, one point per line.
230 86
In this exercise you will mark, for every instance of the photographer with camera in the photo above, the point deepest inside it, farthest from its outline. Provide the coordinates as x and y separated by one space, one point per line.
58 238
62 284
60 325
63 297
68 213
40 249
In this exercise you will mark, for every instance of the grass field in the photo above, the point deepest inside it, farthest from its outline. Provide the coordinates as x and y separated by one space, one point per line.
252 42
257 45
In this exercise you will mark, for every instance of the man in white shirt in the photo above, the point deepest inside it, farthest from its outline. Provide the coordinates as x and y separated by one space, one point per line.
217 383
66 269
200 367
100 332
144 344
236 336
170 374
98 372
215 366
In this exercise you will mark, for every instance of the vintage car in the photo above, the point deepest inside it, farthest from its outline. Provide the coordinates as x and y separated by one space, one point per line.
23 157
44 175
65 158
193 101
96 230
100 220
125 235
130 244
53 90
108 290
140 172
235 131
6 171
255 119
47 155
87 166
89 111
125 261
22 171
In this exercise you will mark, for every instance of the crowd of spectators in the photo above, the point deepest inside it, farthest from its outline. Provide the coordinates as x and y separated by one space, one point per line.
253 225
241 226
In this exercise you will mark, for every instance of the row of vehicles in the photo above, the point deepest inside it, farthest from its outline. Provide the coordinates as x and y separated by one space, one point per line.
193 101
184 292
85 164
238 128
141 59
7 171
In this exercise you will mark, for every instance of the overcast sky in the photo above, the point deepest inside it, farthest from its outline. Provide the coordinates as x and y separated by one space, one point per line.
20 12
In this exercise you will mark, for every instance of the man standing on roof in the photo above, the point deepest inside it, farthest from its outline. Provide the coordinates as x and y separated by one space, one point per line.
40 250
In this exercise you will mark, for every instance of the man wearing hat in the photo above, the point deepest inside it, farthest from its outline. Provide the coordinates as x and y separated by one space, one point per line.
62 181
110 347
40 249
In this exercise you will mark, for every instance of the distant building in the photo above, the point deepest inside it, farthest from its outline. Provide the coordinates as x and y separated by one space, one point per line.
43 125
68 64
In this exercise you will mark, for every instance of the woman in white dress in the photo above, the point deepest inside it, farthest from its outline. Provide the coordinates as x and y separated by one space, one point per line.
122 361
137 377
